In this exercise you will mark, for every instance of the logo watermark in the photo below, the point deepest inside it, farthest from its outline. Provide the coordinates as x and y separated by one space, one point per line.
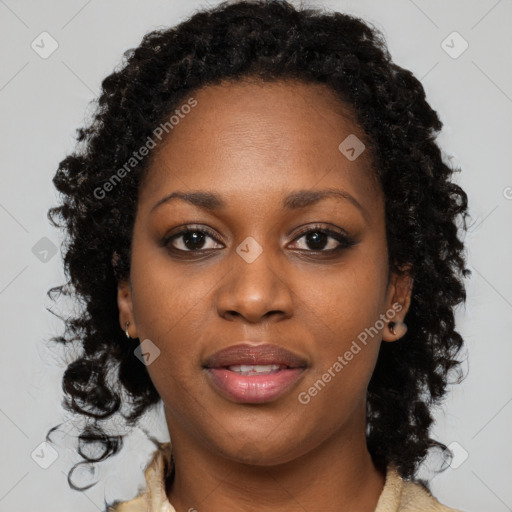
143 151
304 397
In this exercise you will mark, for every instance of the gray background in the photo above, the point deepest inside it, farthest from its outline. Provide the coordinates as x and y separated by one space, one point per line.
43 101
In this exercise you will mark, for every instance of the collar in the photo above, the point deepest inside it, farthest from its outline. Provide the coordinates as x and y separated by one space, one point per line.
160 467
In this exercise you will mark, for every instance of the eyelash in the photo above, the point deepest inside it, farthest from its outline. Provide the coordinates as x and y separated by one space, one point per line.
344 241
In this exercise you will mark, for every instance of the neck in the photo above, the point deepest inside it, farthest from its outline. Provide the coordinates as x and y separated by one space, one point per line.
339 474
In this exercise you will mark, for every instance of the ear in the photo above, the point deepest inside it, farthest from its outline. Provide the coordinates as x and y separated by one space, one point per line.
398 301
125 305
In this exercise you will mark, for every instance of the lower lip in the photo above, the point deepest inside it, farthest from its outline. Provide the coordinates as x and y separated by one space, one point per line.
253 389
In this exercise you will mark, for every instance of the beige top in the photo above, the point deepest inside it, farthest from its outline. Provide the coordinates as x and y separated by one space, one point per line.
398 495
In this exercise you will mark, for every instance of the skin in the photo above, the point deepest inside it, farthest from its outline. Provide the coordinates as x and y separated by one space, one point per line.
253 144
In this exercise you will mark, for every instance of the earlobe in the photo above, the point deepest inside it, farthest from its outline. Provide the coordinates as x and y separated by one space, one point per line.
125 305
399 300
396 331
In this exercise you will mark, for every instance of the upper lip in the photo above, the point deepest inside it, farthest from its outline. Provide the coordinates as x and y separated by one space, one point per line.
244 353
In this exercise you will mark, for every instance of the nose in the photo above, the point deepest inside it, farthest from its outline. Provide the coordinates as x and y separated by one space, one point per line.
255 291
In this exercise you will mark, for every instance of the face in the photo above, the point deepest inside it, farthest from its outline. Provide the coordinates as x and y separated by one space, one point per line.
270 259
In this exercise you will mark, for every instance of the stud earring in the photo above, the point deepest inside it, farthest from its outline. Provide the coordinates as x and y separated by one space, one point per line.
126 330
397 329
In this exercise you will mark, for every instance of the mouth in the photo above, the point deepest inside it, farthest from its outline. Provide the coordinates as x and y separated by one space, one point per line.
257 369
246 373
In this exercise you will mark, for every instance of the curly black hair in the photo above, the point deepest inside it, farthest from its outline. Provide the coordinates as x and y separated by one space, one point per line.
267 41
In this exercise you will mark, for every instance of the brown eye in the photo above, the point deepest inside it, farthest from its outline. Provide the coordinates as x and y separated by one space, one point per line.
324 240
190 240
199 239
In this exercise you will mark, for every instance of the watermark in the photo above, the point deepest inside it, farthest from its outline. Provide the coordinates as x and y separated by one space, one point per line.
44 455
44 45
351 147
249 249
147 352
459 456
304 397
44 250
454 45
143 151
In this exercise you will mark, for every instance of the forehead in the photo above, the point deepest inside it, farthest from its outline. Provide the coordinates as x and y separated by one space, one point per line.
252 137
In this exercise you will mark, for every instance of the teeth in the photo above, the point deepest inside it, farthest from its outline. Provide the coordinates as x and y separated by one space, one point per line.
254 369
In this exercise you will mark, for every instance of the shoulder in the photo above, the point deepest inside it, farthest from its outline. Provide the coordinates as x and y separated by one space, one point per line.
401 495
153 497
138 504
416 498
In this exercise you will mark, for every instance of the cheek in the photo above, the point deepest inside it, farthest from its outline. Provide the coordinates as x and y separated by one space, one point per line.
172 316
345 310
167 297
169 308
347 348
347 299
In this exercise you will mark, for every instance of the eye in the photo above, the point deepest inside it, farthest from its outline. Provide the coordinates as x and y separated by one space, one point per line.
191 239
195 239
317 238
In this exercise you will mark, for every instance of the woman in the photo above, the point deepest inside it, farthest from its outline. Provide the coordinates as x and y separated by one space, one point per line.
264 235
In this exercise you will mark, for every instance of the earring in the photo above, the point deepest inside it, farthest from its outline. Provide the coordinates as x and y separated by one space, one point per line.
397 329
126 330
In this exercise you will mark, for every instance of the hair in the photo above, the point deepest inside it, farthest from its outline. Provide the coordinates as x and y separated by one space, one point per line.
424 210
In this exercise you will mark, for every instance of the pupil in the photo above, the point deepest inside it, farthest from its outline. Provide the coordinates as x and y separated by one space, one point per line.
195 237
315 239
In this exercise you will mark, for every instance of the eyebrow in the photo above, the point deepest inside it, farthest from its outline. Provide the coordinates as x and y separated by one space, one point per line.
294 201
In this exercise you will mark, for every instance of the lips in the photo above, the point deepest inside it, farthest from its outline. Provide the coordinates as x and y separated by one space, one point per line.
245 354
254 374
